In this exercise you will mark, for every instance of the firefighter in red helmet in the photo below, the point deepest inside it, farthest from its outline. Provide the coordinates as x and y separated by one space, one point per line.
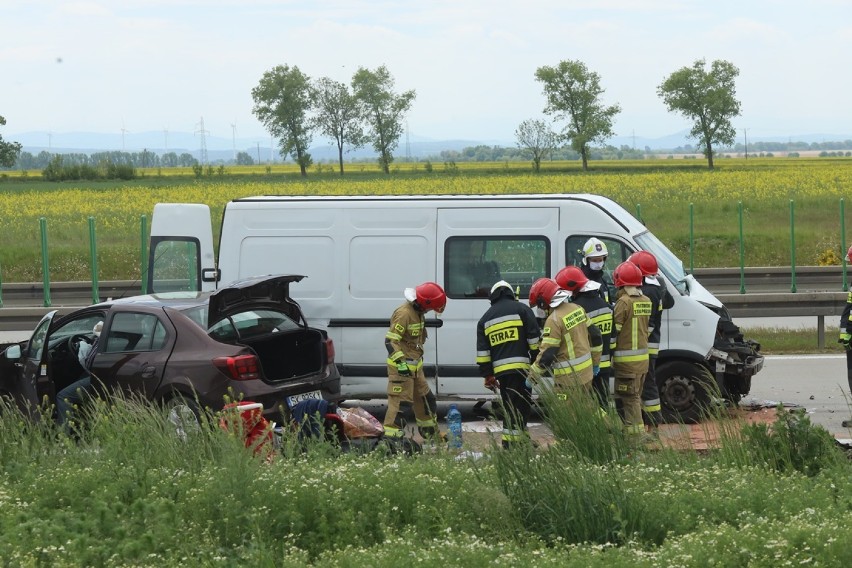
586 294
569 339
404 342
630 318
661 300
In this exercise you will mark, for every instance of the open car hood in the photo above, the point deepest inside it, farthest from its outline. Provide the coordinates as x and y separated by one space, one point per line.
257 292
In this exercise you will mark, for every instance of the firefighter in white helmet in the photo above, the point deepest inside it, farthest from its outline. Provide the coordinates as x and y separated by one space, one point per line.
404 342
595 254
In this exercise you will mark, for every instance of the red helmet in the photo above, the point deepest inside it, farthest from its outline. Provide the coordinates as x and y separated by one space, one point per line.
542 292
571 278
627 274
849 255
646 262
430 296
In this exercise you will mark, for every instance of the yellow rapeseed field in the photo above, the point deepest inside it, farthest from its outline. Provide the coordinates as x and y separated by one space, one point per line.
661 194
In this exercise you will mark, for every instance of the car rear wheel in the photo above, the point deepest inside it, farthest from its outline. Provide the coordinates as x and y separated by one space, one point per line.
184 414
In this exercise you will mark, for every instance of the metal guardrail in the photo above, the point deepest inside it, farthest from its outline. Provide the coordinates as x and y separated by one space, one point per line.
767 295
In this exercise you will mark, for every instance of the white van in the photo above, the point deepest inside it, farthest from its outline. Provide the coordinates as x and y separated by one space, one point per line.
360 252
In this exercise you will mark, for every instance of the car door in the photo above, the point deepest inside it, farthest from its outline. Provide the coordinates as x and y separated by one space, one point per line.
34 380
133 351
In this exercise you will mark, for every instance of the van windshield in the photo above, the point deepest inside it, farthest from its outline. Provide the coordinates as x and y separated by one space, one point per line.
670 265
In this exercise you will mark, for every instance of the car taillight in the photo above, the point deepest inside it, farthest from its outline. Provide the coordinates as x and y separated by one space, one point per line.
239 368
329 351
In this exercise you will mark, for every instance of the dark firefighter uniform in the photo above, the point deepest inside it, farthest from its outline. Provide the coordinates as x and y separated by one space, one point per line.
661 299
607 289
630 357
567 343
845 337
599 313
506 345
404 341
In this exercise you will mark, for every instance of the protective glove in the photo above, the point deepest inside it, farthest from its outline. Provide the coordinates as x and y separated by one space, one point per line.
533 376
491 383
402 369
845 342
596 370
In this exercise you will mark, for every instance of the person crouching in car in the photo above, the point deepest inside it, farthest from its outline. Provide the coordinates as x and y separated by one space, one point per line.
69 398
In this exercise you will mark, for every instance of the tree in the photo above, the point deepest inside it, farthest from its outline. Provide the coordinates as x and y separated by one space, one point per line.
382 109
244 159
282 101
708 98
338 115
535 137
573 94
8 150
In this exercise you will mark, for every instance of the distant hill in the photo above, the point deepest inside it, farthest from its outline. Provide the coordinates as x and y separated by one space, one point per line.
222 148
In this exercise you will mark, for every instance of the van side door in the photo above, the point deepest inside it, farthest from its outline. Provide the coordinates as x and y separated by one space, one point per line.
476 248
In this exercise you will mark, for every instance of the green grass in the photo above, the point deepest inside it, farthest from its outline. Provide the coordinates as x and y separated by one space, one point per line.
131 492
777 341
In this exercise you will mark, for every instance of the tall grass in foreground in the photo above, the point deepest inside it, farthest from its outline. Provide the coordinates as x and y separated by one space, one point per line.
132 492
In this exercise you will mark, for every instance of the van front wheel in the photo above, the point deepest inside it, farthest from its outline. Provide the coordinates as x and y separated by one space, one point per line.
684 391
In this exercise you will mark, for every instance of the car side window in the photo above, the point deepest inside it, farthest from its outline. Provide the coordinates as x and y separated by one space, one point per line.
131 331
473 264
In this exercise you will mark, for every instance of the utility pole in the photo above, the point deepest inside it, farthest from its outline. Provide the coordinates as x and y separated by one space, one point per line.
745 135
234 139
258 153
634 139
407 144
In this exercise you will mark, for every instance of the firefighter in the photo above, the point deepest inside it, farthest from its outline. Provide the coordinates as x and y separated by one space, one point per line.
846 336
585 293
567 340
661 299
630 318
506 345
595 254
404 342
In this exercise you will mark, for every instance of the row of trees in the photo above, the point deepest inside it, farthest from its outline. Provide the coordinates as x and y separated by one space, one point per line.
8 150
573 95
292 106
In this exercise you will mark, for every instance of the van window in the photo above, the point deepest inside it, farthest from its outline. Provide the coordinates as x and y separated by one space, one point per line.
473 264
176 265
618 251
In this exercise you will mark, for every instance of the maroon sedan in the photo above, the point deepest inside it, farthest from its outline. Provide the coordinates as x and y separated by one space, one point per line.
248 341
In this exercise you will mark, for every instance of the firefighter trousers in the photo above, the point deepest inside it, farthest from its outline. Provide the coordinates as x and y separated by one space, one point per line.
517 404
629 390
405 388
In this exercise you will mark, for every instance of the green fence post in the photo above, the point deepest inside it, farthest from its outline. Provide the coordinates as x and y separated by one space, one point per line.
93 252
691 239
842 242
45 264
143 247
792 246
742 248
639 212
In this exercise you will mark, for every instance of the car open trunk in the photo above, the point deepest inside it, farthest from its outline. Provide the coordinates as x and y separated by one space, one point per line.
289 354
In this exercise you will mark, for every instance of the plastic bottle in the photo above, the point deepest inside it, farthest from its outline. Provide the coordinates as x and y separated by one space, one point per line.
454 427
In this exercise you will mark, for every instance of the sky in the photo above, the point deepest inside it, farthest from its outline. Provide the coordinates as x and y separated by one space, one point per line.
151 65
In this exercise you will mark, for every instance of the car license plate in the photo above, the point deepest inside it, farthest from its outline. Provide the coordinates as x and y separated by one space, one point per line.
295 399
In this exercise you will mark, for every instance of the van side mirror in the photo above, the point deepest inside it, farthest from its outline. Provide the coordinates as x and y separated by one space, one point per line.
13 352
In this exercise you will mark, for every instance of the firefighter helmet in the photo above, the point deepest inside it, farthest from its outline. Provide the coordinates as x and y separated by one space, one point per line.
571 278
849 255
542 292
594 247
627 274
646 262
430 296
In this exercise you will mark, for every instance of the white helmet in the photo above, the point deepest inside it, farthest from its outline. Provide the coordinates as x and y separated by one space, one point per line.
594 247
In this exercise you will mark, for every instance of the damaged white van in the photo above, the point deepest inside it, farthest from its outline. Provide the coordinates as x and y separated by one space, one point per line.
360 252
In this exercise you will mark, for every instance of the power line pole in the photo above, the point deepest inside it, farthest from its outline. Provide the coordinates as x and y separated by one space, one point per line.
745 134
234 139
203 141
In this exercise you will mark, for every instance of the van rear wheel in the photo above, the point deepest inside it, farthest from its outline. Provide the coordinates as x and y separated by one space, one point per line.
684 391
